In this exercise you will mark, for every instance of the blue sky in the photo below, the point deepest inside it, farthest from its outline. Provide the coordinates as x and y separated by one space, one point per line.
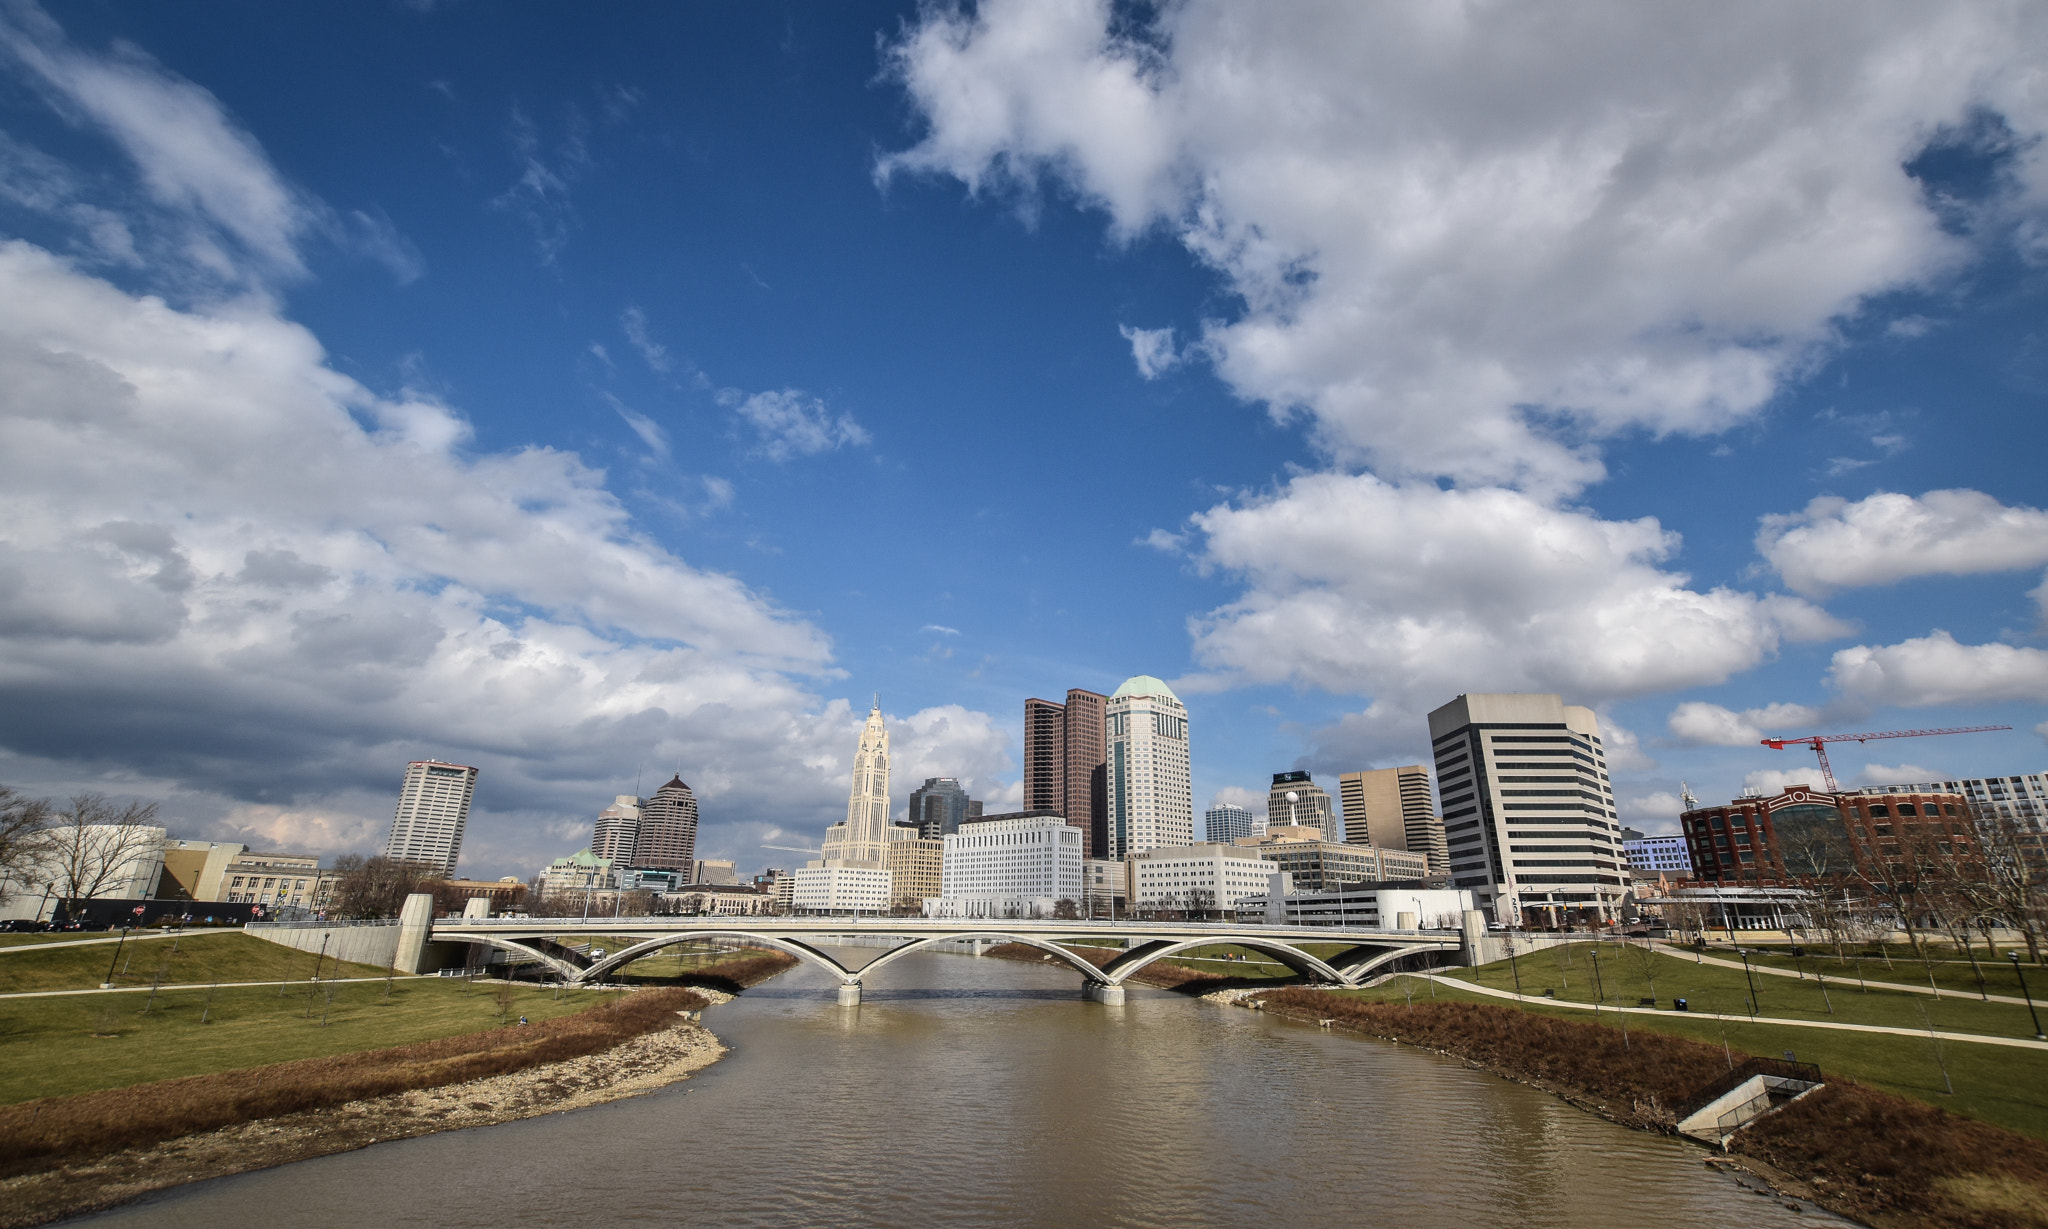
580 395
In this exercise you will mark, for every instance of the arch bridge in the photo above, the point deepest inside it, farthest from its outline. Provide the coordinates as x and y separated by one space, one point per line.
550 942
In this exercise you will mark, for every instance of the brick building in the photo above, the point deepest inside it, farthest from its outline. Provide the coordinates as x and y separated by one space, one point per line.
1804 834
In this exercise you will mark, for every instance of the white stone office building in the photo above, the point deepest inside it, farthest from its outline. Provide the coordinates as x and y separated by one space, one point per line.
2022 800
1206 878
1010 866
1150 799
1372 906
433 810
838 888
1528 812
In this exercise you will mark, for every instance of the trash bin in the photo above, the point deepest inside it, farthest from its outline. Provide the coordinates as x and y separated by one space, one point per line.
1679 1005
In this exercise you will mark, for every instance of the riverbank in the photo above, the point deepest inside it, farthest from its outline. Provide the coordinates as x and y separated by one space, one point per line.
64 1156
1878 1158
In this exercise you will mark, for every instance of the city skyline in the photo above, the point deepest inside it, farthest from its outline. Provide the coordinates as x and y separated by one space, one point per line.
588 383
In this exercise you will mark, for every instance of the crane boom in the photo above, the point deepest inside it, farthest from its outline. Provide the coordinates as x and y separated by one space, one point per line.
1819 743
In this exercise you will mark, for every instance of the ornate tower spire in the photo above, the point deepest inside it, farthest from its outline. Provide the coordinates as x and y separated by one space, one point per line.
867 805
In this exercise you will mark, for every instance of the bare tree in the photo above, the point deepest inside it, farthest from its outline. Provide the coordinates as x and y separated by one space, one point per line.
93 845
24 822
2014 889
376 887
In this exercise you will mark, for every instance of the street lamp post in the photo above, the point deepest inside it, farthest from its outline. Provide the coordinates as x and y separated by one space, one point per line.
2038 1034
1753 1004
123 942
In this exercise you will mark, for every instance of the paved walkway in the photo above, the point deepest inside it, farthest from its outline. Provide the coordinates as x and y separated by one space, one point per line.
226 985
1908 988
11 948
2023 1043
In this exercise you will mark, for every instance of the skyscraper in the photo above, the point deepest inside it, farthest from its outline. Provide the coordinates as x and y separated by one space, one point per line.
1547 849
433 810
668 829
1391 808
865 838
937 807
1226 822
1064 754
617 836
1151 802
1296 799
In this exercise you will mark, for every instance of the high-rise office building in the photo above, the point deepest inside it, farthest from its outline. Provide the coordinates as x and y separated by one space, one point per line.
864 838
1391 808
1226 822
668 829
1064 754
937 807
433 810
617 837
1150 799
1297 800
1528 811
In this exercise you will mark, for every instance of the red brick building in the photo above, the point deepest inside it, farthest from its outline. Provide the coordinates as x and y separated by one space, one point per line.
1804 834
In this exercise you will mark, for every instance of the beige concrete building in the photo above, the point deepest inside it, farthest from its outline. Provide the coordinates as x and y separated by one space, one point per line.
1298 802
1392 808
277 880
914 866
196 870
1321 866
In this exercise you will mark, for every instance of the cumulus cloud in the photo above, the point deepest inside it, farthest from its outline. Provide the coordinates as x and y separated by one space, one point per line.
1769 781
1835 544
792 423
1412 594
1253 800
1151 349
1472 242
1653 814
1894 774
1709 725
1935 669
228 569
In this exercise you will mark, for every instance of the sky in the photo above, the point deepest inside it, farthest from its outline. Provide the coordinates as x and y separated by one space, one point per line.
591 395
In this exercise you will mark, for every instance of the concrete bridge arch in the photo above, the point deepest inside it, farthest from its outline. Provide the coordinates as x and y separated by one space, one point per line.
793 947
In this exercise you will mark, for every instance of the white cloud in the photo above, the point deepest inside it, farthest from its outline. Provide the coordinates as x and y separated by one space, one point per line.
1151 349
1473 241
943 631
792 423
946 741
1654 814
1934 669
1894 774
1773 781
215 576
1413 594
191 156
649 431
633 322
1253 800
1709 725
1836 544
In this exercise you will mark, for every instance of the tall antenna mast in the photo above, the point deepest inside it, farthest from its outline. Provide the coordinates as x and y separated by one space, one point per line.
1685 793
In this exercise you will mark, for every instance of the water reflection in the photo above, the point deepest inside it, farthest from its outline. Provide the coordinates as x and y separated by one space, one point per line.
969 1091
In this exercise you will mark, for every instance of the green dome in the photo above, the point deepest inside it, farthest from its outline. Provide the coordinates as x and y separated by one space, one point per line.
1146 685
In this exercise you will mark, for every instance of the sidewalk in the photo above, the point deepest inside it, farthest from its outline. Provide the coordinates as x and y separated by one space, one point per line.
1725 963
2023 1043
226 985
11 948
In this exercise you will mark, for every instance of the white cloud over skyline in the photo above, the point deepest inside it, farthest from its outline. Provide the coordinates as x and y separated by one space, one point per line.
1834 543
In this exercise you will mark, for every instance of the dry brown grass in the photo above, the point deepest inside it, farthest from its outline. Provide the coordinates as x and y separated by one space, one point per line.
1865 1153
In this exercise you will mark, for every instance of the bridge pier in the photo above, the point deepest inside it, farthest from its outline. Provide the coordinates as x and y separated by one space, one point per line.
849 994
1108 996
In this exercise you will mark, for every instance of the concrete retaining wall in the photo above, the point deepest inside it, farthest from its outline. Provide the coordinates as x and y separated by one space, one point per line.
374 945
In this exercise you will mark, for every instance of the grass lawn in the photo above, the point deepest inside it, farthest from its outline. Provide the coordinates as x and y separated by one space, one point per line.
1569 972
187 960
680 959
1997 1084
1906 968
48 1046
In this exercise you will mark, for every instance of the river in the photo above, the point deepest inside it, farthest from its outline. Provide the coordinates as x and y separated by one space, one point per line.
969 1091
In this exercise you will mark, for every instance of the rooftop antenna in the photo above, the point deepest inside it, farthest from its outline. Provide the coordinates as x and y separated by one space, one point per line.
1685 795
638 772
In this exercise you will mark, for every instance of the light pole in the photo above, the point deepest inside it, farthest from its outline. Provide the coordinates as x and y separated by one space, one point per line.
1753 1004
2038 1034
123 941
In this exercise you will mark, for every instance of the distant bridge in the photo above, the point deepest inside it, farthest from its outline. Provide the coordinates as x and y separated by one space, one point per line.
806 938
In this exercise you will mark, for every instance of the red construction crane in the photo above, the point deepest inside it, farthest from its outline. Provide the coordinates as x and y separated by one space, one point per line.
1818 741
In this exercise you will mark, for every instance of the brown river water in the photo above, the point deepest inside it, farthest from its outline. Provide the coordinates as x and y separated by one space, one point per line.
971 1091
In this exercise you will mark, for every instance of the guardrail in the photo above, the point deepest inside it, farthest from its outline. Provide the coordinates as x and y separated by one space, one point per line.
329 923
1745 1071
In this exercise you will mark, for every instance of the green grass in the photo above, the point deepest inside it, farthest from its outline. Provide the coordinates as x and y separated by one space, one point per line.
1950 972
187 960
48 1046
1569 973
1997 1084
